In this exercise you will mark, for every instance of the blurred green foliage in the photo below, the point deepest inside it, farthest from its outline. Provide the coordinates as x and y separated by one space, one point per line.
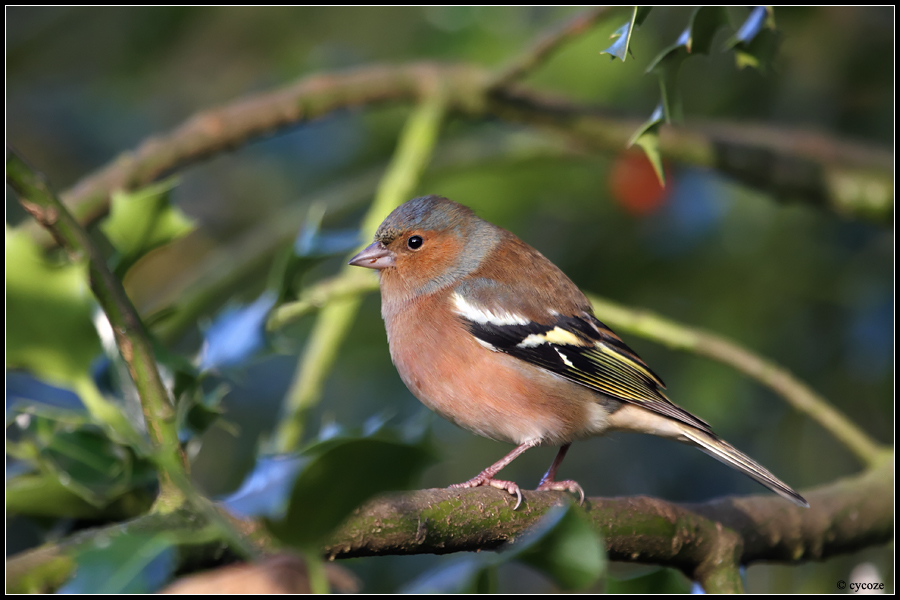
803 287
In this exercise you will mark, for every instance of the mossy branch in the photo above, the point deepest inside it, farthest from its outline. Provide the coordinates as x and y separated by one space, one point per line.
843 517
707 541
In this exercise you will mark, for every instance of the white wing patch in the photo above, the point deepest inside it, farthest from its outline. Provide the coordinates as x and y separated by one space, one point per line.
479 314
565 359
557 335
487 345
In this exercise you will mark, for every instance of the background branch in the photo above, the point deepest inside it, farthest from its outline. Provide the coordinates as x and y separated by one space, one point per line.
548 44
851 179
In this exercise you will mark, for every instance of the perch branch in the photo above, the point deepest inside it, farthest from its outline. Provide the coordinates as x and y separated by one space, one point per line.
844 516
703 540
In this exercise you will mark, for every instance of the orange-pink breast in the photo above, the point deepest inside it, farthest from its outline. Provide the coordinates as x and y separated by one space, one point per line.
487 392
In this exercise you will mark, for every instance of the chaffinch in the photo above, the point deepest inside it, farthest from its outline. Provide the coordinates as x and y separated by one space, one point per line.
491 335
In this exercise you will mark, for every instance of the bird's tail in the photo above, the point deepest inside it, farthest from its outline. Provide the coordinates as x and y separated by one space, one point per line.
731 456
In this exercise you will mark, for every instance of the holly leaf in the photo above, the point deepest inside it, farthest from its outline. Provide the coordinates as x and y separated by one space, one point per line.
621 47
128 563
697 38
339 474
51 333
266 491
565 546
82 459
311 246
756 41
474 574
140 221
237 334
647 137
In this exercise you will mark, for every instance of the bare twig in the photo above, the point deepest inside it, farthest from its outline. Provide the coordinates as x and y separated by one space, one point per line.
547 44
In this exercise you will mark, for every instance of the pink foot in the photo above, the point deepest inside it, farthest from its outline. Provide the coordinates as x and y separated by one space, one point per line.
482 479
563 486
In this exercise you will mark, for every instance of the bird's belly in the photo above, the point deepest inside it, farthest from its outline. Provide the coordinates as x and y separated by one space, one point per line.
493 394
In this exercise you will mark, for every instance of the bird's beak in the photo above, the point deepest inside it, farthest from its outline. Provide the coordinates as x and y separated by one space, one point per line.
374 256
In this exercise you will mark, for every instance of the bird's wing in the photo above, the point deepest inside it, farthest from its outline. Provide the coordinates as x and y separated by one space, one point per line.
576 346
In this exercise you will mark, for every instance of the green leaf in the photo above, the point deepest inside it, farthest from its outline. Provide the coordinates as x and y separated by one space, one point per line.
122 564
697 38
198 410
142 220
51 332
472 574
83 460
633 578
42 495
339 475
621 47
564 546
647 137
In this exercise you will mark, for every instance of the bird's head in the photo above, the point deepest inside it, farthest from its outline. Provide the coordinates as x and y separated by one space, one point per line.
426 244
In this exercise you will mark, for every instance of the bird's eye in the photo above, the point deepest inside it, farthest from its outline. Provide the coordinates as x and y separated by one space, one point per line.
414 242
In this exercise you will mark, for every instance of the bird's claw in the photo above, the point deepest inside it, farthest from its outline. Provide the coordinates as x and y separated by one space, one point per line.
563 486
510 486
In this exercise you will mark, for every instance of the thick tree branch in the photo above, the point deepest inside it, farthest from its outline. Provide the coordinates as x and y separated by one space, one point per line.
843 517
706 541
851 179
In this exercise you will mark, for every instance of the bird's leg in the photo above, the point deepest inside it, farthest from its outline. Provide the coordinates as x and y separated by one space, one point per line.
548 481
486 477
